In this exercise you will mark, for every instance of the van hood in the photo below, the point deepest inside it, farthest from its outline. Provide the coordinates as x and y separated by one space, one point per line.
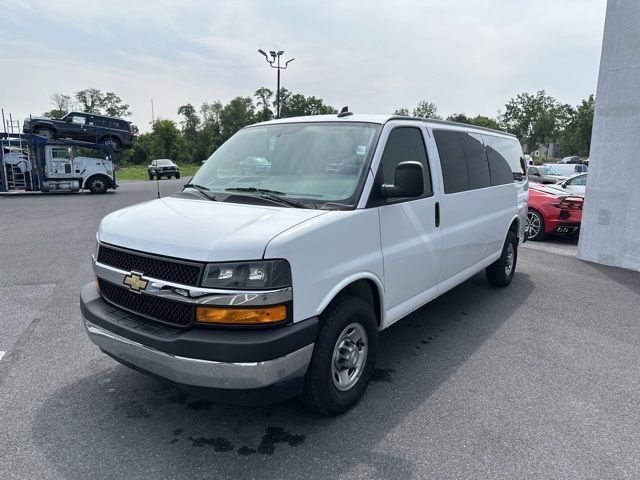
200 230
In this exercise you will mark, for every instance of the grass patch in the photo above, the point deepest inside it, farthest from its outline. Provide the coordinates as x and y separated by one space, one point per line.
139 172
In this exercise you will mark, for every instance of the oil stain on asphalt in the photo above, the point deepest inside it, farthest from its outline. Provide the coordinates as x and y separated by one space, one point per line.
267 446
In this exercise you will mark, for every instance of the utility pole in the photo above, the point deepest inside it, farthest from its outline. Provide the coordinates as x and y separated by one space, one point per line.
274 62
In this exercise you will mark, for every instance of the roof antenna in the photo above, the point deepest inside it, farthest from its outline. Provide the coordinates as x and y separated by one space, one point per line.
344 112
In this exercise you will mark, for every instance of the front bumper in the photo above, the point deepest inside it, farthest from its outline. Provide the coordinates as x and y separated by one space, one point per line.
227 360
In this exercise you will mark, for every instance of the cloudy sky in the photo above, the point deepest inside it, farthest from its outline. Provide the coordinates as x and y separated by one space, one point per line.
374 55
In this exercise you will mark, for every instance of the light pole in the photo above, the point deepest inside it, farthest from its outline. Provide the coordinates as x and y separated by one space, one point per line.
275 59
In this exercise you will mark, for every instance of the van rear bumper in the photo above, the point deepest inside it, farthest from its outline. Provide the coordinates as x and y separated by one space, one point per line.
224 360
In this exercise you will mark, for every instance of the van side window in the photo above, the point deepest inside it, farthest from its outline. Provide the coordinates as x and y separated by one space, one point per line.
463 161
477 166
506 161
405 144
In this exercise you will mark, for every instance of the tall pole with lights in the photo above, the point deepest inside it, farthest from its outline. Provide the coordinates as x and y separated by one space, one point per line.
273 59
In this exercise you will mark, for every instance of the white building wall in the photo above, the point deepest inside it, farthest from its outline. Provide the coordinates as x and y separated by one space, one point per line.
610 232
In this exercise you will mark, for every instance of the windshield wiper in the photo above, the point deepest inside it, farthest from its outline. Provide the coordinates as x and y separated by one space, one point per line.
203 190
271 195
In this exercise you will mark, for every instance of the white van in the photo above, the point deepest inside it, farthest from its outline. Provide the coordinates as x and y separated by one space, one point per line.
276 283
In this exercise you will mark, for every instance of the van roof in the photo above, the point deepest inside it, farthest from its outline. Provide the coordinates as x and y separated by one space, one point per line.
380 119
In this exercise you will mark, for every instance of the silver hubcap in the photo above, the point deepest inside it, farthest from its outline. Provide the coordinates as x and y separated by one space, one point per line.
508 262
98 185
349 356
534 224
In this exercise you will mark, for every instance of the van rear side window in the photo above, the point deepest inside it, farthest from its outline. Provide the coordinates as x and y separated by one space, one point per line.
463 160
506 161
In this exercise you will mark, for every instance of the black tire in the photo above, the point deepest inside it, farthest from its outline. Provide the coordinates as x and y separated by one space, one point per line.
178 176
150 176
45 132
535 224
97 185
500 273
320 392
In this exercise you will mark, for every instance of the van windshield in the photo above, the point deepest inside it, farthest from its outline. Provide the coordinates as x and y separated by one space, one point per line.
315 162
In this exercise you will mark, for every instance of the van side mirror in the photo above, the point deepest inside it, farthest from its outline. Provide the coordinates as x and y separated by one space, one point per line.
409 181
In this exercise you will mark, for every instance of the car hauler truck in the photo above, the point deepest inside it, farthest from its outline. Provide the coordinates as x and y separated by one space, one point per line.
34 163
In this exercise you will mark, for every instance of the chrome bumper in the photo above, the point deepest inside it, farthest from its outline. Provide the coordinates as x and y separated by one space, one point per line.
202 373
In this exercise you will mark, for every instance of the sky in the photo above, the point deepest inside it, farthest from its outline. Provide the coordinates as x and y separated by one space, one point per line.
468 56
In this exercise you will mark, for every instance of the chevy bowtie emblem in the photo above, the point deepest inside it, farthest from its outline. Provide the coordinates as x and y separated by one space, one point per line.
135 282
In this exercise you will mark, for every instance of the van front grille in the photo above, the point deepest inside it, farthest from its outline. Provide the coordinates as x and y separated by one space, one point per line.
170 270
159 309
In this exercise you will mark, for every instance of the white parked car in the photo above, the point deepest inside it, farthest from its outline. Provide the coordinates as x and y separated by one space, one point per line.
567 169
278 284
575 184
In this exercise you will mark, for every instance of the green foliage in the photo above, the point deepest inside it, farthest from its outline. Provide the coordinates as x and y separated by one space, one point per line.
487 122
297 105
238 113
535 119
404 112
54 113
424 109
264 97
458 118
479 120
92 100
575 138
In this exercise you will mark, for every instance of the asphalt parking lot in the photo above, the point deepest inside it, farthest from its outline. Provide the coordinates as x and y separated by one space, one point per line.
538 380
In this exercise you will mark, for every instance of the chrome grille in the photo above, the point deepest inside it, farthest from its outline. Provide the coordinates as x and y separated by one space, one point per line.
169 270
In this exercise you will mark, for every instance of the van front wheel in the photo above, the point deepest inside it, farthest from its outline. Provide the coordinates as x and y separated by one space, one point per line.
500 273
343 358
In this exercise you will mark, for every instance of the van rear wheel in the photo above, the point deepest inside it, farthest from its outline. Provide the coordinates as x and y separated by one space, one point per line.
500 273
343 357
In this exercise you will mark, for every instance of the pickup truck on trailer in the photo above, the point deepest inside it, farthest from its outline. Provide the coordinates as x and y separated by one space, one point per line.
34 163
263 285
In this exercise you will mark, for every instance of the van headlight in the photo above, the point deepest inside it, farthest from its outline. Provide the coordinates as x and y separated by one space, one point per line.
257 275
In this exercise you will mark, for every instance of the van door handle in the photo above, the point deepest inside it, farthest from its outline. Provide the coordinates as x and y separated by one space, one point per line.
437 214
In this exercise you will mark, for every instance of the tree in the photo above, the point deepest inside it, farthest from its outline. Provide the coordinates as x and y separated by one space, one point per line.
167 142
426 109
92 100
61 106
238 113
459 118
487 122
575 138
534 119
263 99
297 105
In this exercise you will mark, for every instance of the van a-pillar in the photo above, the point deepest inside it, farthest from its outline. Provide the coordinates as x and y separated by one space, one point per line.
610 232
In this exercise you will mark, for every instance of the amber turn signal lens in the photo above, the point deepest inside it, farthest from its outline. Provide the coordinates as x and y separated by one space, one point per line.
241 316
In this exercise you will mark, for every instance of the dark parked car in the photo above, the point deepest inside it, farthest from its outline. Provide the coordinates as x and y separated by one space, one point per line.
85 127
163 167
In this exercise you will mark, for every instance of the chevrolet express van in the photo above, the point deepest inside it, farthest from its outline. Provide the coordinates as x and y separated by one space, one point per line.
264 284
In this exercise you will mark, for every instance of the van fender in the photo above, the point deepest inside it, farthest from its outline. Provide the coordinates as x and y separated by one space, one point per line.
345 282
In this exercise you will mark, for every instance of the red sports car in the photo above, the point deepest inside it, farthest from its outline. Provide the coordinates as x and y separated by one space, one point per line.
553 212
